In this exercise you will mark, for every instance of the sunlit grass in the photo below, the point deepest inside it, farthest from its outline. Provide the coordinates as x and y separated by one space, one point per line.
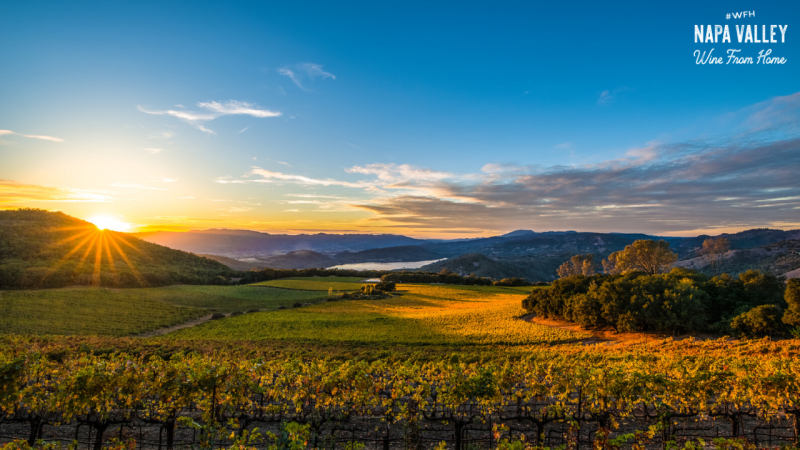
315 283
421 315
122 312
88 311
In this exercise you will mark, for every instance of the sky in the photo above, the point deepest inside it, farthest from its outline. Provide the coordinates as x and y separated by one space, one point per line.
428 119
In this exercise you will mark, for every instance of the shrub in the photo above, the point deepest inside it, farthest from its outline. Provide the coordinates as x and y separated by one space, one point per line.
792 297
763 320
297 305
386 286
512 282
216 316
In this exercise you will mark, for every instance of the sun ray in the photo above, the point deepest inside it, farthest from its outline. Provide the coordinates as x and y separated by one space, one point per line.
72 238
136 274
98 262
90 227
108 253
66 257
129 244
86 254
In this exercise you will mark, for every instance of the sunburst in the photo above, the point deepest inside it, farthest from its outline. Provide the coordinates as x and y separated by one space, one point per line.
101 240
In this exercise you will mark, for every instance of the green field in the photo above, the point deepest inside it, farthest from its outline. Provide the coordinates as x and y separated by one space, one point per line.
228 299
315 283
421 315
123 312
88 311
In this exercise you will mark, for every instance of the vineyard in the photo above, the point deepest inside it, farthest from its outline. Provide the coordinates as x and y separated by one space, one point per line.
417 315
656 396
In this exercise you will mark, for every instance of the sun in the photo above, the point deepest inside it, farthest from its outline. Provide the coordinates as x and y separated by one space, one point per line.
104 222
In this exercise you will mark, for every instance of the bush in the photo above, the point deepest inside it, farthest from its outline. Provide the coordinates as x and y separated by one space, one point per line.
216 316
512 282
236 313
764 320
297 305
679 301
792 297
386 286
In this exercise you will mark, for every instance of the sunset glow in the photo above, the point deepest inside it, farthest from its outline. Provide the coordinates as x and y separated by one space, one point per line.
333 120
104 222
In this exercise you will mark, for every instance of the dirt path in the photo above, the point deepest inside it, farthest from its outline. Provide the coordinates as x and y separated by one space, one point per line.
166 330
608 335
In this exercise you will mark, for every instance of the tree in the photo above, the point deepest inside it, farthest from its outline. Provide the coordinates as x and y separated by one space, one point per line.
792 315
445 271
578 265
646 256
759 321
713 253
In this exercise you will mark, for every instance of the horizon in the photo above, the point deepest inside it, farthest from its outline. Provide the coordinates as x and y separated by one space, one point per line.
465 121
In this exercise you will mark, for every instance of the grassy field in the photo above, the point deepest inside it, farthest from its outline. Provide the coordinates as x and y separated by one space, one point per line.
315 283
123 312
421 315
227 299
88 311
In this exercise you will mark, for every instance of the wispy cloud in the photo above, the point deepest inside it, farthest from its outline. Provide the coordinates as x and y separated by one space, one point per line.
214 110
13 194
136 186
610 95
161 134
300 72
153 150
31 136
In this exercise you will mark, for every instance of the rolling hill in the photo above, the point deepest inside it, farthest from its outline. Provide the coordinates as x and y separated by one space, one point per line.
243 243
41 249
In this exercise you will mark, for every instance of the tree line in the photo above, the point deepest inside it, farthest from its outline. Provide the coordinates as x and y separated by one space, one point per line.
639 291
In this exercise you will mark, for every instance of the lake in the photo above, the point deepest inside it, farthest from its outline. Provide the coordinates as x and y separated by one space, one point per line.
385 266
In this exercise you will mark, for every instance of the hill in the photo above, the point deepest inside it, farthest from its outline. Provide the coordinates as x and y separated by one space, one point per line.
235 264
41 249
243 243
780 258
534 269
392 254
300 259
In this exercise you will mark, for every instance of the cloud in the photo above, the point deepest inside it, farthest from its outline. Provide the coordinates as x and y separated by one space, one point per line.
214 110
270 176
300 72
161 134
13 194
136 186
31 136
684 186
153 150
608 96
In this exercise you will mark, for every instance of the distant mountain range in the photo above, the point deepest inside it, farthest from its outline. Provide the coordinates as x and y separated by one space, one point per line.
242 243
522 253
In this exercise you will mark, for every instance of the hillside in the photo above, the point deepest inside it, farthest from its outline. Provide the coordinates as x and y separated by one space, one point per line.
393 254
235 264
483 266
779 258
300 259
243 243
41 249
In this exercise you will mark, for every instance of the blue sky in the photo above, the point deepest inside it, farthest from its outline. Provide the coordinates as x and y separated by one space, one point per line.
372 106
